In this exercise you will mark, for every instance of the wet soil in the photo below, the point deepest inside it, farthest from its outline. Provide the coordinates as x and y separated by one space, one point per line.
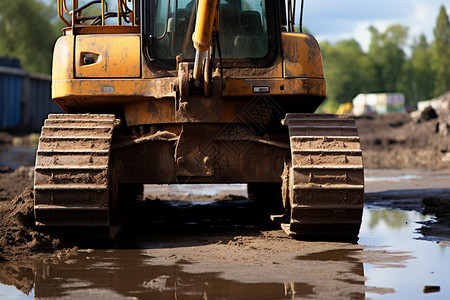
204 246
391 141
190 258
226 235
16 164
420 190
13 183
215 250
397 141
20 240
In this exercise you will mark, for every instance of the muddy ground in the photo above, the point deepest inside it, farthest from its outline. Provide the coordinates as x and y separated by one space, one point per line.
225 234
389 142
19 239
14 182
397 141
424 191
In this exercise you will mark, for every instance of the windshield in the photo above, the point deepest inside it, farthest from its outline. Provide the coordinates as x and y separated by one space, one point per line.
242 28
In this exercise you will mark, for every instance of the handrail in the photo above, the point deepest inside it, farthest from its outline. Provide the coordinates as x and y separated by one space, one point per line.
103 12
61 8
123 11
65 7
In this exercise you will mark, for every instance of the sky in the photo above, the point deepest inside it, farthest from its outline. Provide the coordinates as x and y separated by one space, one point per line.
336 20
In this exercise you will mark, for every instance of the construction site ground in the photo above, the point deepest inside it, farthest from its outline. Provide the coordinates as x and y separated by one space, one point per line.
201 243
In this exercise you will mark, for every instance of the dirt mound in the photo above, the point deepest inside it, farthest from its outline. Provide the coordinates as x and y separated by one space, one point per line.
397 141
12 183
19 240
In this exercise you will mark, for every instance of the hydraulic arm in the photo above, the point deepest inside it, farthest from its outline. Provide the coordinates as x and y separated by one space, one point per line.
202 37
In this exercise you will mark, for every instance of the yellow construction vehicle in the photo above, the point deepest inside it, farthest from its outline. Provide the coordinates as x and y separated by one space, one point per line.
206 91
345 108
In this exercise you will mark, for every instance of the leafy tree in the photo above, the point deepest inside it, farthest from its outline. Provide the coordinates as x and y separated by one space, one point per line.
423 75
442 44
346 69
388 57
27 33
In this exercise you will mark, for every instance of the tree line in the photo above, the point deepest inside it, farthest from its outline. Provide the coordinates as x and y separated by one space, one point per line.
424 74
28 31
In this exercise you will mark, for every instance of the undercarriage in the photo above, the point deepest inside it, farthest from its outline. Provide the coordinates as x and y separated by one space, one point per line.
88 169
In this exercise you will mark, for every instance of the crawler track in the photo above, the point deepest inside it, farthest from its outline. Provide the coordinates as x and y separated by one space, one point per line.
72 177
326 179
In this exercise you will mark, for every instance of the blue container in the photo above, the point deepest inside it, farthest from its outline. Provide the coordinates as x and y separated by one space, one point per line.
8 62
10 100
38 103
25 99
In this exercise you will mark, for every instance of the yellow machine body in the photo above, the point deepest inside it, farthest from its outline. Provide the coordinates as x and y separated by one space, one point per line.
120 78
201 91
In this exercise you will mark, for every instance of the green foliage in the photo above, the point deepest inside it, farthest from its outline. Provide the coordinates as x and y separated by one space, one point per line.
442 45
28 33
387 57
423 73
329 106
347 69
386 67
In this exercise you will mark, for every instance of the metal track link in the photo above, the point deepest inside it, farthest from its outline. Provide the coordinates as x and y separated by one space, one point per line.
72 171
326 179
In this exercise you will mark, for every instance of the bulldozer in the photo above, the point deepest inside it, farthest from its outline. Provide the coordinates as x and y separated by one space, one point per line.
189 92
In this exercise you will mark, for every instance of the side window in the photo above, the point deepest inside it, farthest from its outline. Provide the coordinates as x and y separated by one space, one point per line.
243 29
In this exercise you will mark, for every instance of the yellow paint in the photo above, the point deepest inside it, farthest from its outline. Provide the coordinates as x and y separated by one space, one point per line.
119 80
301 54
62 67
204 24
72 88
115 56
286 87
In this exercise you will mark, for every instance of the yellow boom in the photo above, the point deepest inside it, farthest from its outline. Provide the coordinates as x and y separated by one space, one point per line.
202 37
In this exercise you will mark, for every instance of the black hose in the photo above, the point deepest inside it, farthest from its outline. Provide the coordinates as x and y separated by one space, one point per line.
301 17
219 50
86 5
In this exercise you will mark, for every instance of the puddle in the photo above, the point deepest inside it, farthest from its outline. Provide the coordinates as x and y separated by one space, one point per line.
158 271
130 274
14 157
389 262
397 230
391 178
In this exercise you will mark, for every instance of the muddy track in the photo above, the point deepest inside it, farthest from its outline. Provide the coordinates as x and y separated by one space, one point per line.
72 171
326 179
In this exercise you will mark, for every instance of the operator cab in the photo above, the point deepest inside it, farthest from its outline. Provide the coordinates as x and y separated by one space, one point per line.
246 31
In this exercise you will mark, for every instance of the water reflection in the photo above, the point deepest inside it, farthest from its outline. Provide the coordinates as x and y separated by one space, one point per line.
122 273
395 230
341 255
157 270
393 219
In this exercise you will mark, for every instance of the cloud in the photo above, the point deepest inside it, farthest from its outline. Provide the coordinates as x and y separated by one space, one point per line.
333 20
361 31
